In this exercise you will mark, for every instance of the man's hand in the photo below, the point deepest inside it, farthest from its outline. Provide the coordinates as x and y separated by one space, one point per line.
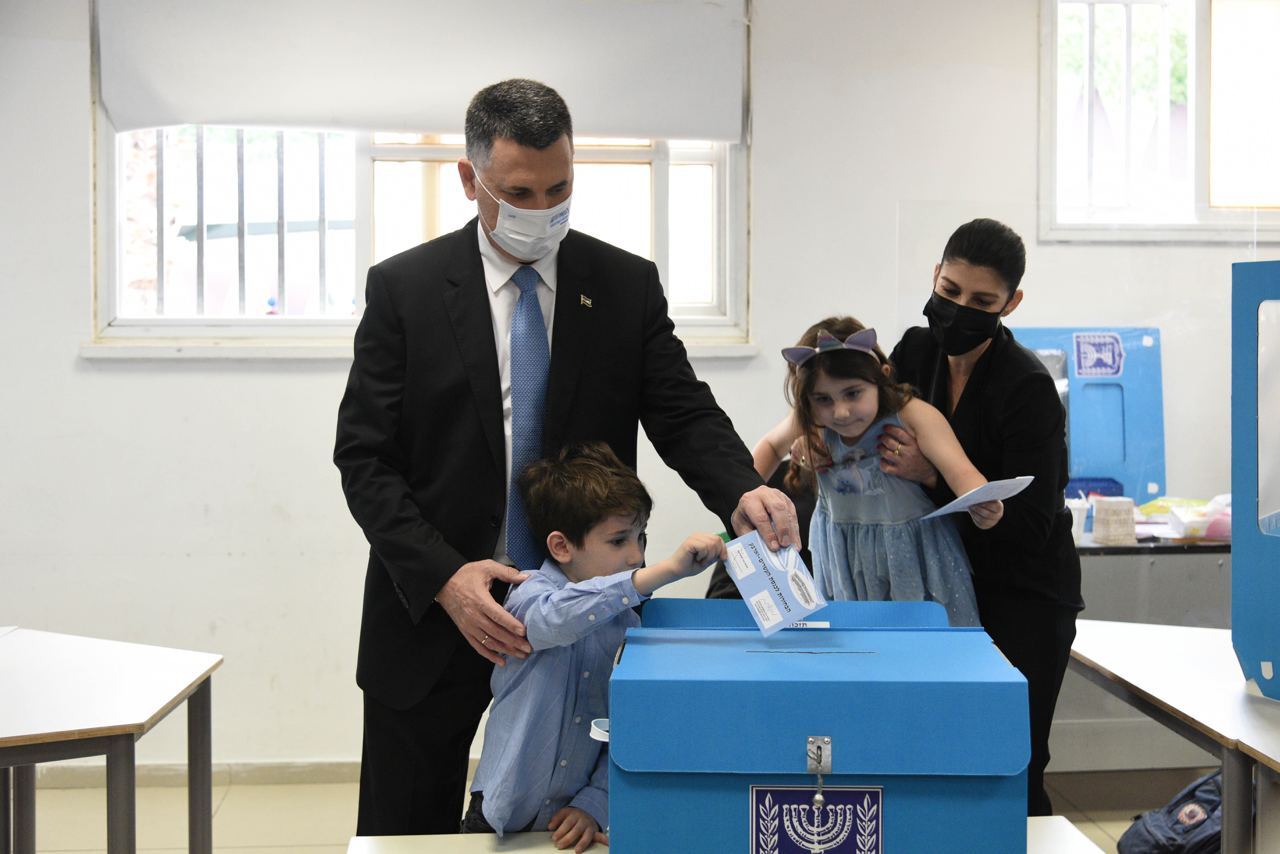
572 826
900 456
485 624
770 512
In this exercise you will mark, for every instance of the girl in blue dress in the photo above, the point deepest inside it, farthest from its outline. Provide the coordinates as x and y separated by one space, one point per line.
867 537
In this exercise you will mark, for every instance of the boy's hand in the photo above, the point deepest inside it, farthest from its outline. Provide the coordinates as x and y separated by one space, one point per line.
572 826
696 553
987 514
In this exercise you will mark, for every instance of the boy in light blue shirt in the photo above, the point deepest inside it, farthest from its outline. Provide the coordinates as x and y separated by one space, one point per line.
540 768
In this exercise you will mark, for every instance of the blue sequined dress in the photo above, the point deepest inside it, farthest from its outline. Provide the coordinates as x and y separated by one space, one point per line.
869 543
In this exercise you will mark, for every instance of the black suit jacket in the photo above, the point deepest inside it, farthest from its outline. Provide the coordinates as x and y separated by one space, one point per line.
1010 422
420 437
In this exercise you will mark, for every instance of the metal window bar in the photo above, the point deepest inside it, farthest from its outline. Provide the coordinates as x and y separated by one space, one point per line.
200 223
1164 77
321 222
659 213
1128 104
160 221
280 226
241 226
1088 106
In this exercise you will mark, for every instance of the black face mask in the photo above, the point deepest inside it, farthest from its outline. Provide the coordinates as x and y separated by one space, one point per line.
958 328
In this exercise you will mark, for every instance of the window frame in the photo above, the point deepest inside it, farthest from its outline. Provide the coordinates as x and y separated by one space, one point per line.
1212 225
721 330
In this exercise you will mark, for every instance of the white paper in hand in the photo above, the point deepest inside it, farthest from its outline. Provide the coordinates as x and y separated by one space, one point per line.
996 490
776 586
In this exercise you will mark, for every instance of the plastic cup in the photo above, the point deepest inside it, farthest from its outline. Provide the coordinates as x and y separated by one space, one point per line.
1079 508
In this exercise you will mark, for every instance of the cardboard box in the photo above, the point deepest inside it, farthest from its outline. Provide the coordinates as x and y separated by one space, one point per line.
716 737
675 613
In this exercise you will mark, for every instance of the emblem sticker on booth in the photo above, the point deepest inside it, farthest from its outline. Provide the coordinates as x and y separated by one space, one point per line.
784 820
1098 354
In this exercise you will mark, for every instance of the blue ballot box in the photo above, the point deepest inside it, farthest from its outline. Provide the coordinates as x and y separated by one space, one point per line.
672 613
718 737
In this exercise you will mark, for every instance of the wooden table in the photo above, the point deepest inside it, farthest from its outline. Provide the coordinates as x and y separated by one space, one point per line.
1048 835
1189 680
66 697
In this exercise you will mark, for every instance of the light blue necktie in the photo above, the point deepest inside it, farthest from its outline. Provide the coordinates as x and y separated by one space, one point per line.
530 359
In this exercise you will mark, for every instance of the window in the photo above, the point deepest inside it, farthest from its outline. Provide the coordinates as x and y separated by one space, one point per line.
1135 143
249 232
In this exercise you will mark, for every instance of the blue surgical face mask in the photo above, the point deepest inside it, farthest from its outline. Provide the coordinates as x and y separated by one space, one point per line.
526 235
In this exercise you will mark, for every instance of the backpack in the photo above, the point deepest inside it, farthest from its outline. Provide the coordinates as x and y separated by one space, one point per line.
1191 823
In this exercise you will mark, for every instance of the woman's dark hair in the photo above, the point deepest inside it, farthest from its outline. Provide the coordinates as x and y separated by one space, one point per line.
987 243
838 364
585 484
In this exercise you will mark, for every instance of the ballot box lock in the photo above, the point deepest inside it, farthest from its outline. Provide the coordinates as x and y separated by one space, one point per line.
818 755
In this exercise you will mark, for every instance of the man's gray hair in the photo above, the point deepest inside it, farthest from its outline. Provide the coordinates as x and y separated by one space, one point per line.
526 112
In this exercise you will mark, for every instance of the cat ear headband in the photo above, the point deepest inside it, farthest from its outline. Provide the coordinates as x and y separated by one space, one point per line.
863 342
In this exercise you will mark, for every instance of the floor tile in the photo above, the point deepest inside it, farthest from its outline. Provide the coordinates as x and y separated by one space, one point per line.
1114 822
296 815
1097 835
1132 791
76 819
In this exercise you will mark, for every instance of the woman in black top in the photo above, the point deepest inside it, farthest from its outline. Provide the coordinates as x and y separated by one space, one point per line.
1005 410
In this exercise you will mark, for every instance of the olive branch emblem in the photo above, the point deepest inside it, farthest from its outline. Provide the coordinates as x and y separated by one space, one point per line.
868 822
768 826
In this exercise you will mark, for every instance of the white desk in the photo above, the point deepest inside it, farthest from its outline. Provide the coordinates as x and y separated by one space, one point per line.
1049 835
67 697
1189 680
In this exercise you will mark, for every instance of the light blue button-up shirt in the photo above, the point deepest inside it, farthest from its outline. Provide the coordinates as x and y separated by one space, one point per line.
538 753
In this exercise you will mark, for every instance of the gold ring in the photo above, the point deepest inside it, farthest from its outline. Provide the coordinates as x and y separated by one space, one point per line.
485 641
897 452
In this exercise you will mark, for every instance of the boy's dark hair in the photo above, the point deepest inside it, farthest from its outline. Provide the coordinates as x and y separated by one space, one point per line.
987 243
584 485
526 112
838 364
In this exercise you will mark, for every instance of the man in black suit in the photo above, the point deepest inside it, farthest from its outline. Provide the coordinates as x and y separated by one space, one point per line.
425 439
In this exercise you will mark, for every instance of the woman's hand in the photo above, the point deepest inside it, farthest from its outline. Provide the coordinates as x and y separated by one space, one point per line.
809 452
900 456
987 514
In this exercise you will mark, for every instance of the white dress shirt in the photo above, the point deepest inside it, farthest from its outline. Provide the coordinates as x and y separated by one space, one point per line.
503 296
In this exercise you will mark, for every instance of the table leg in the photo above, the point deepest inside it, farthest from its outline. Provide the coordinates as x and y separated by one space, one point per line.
6 817
24 809
121 797
199 772
1267 835
1237 801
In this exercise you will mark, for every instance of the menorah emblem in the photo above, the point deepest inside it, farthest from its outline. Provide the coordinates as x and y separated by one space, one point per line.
818 835
785 821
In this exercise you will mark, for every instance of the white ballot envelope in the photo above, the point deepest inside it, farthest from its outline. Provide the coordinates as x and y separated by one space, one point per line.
996 490
776 586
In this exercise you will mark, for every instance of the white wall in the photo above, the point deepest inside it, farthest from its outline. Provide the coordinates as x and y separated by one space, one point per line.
194 504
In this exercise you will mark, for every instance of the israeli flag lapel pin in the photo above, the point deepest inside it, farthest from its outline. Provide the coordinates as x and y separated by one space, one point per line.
583 299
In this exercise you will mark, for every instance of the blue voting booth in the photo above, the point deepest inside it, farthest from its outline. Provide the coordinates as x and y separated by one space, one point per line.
913 738
1110 382
1255 534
